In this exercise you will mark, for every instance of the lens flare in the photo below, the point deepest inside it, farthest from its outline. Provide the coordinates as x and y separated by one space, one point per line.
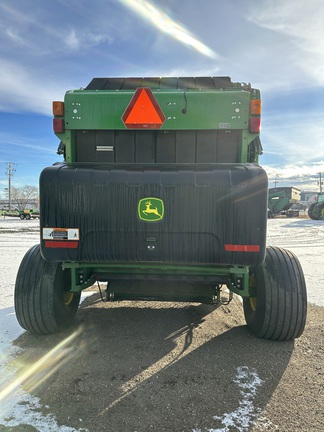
148 11
32 376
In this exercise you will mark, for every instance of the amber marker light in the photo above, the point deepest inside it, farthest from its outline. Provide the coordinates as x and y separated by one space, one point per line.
255 107
58 108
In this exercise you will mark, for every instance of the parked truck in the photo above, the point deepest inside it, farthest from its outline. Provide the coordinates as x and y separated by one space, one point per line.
316 209
28 214
161 196
281 199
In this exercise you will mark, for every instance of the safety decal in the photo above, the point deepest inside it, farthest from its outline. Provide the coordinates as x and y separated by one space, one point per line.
61 234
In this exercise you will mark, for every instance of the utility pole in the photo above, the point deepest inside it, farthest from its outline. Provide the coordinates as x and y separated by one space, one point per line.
10 172
320 182
275 182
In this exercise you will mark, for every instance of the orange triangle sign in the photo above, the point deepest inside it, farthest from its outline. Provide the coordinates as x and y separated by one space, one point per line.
143 111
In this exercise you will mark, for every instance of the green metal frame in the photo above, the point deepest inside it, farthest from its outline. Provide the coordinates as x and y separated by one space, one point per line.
84 275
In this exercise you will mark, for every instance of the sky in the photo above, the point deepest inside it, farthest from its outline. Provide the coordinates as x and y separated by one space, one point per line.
47 48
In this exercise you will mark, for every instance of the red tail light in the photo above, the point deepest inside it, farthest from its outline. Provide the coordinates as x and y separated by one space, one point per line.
58 125
255 124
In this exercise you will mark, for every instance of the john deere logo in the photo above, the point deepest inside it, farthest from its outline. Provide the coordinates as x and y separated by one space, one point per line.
150 209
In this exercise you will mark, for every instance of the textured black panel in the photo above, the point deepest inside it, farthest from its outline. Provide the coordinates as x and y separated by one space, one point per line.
166 147
204 82
181 83
113 84
131 83
185 147
124 147
182 146
206 207
153 83
144 147
206 146
97 84
186 83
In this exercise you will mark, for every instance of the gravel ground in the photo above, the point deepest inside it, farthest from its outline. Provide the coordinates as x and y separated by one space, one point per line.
173 367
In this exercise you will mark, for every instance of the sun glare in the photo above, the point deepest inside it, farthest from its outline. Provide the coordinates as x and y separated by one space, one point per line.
33 375
150 12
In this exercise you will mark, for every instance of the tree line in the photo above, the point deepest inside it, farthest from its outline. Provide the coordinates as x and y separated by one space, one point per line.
23 198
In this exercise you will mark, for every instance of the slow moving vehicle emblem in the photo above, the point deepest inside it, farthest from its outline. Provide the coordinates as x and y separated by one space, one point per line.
150 209
143 111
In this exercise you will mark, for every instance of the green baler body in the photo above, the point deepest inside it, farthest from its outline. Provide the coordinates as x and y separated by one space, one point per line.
200 162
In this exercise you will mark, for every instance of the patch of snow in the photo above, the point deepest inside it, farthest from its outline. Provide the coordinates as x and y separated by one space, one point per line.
25 410
246 413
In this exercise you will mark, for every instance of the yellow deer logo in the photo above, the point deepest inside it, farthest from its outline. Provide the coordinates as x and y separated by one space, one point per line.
150 209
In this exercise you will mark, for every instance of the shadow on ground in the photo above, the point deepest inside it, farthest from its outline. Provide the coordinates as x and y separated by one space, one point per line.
151 366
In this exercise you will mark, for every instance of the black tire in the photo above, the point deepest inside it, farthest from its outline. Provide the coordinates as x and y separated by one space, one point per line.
22 216
43 302
310 211
27 216
278 308
321 212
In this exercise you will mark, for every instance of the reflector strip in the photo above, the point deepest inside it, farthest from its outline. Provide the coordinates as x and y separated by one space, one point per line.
242 248
62 244
143 111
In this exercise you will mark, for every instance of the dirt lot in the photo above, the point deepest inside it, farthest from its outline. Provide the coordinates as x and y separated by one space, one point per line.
174 367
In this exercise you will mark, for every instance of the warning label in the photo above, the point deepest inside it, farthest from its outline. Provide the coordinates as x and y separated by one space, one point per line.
61 234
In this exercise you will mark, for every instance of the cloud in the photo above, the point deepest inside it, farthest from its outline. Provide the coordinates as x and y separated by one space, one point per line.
13 35
75 40
40 33
300 25
305 177
9 141
148 11
71 40
295 137
21 90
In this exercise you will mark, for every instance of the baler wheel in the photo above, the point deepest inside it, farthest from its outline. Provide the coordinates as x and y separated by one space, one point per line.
278 308
41 293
